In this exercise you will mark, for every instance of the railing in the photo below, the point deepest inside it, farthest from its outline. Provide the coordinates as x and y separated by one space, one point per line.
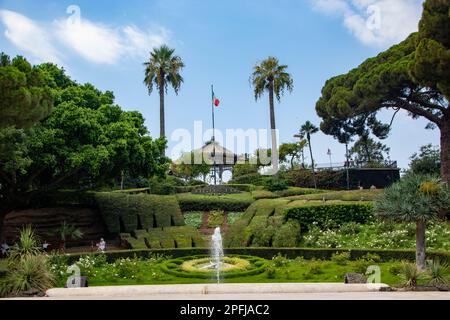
357 165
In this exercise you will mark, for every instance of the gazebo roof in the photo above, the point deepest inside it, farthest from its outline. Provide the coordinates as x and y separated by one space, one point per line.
223 155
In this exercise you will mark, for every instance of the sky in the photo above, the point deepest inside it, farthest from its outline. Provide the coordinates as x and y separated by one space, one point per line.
107 42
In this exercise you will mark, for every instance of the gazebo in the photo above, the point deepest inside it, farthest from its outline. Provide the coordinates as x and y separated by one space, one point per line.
217 157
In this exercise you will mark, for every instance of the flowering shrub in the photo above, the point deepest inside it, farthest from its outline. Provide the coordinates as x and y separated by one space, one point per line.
376 235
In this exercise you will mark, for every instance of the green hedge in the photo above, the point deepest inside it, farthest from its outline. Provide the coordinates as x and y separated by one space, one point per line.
246 187
187 189
150 210
269 253
323 213
210 203
264 194
296 191
171 267
258 225
133 191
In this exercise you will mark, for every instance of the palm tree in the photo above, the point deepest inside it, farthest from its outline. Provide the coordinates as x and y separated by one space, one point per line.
163 69
418 199
270 76
308 129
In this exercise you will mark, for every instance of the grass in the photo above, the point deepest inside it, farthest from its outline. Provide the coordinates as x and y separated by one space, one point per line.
3 265
300 271
352 195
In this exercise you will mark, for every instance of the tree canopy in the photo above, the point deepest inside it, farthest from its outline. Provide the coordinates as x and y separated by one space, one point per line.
26 96
86 142
410 76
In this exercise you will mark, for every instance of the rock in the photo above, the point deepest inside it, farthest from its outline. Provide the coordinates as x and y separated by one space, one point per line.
352 278
443 287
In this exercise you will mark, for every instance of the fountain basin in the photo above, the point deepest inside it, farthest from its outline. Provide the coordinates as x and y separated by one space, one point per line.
203 267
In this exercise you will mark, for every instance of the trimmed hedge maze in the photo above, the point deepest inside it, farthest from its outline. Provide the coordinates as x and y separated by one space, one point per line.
164 238
173 267
124 213
279 222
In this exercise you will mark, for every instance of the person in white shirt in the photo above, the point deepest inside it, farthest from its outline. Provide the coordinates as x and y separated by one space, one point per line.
102 245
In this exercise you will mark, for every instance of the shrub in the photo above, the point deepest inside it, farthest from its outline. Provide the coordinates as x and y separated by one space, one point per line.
276 185
31 272
330 180
215 218
288 235
271 272
232 217
264 194
251 178
322 213
242 187
280 261
210 203
150 210
410 275
437 273
193 219
296 191
341 258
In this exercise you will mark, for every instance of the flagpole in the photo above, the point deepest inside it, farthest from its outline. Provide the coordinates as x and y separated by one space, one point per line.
214 134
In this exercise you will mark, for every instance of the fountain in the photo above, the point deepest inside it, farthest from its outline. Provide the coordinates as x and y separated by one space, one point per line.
217 251
216 265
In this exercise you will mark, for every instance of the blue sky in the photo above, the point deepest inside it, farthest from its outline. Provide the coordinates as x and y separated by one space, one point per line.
219 41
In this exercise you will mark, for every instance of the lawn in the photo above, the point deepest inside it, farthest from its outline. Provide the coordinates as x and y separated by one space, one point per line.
149 272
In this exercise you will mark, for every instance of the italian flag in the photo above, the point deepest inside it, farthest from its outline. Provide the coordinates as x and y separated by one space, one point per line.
216 101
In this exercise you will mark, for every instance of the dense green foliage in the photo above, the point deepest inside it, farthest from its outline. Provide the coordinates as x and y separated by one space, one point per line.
27 267
427 161
141 211
87 142
281 265
26 94
329 213
394 236
414 198
191 202
411 76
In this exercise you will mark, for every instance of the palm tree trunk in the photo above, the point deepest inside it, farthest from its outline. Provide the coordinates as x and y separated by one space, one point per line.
162 127
445 151
420 244
273 130
312 162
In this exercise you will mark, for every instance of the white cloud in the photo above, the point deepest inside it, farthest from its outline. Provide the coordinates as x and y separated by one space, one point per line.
95 42
29 36
378 23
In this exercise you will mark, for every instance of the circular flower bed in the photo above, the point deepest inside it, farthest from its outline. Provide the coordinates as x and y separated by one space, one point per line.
202 266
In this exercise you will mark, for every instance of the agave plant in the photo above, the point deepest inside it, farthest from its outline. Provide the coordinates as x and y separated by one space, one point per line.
29 273
437 273
28 245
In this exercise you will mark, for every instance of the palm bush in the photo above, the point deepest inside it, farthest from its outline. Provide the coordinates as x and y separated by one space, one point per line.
67 231
32 272
28 268
28 245
418 199
411 274
437 273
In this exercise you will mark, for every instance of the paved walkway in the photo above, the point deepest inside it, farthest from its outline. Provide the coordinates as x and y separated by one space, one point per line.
245 291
